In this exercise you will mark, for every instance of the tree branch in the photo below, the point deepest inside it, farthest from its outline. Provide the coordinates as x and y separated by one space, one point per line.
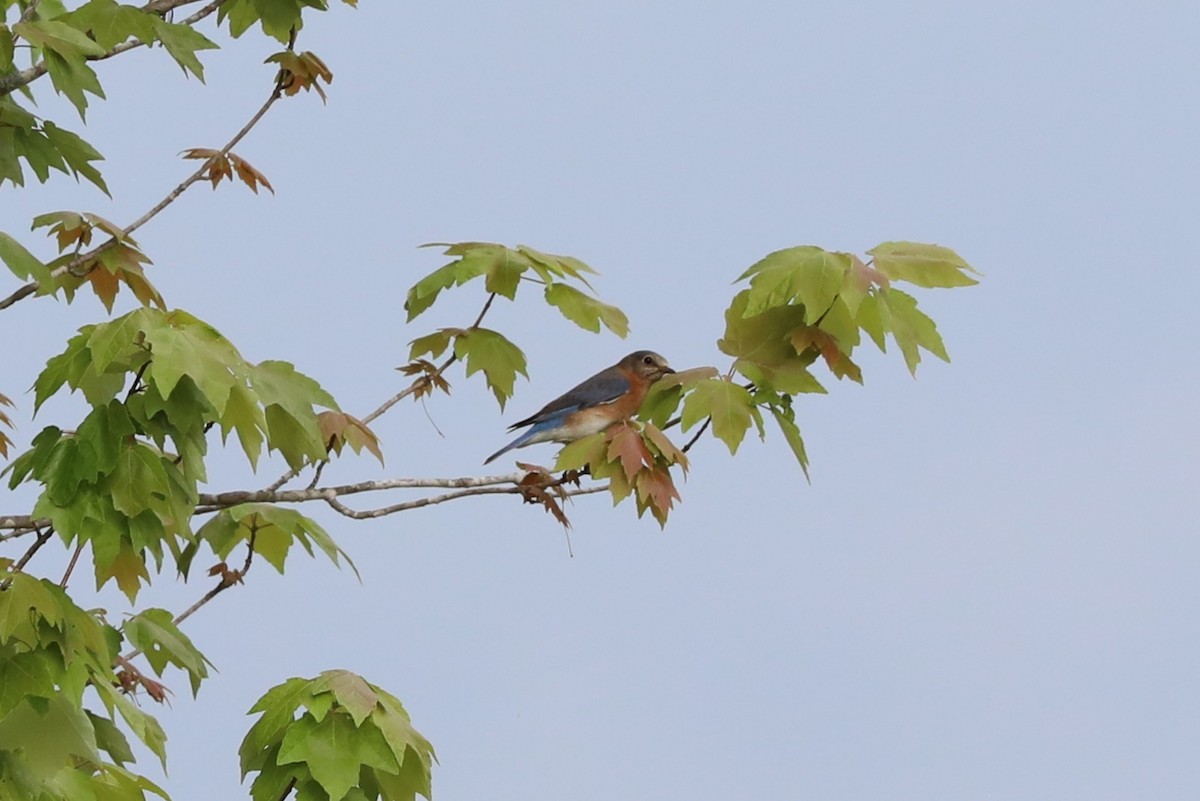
342 509
75 264
212 502
21 525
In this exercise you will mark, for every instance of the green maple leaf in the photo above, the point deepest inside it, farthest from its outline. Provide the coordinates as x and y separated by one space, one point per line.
492 353
183 42
351 691
116 338
23 264
871 318
27 604
25 673
549 266
590 450
110 739
182 345
504 274
278 707
243 415
126 566
140 476
730 406
477 258
806 275
72 77
791 433
911 328
111 24
585 311
143 725
77 154
434 344
928 266
334 750
48 733
159 638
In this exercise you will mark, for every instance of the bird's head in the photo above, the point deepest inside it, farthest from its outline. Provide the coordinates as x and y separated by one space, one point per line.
646 363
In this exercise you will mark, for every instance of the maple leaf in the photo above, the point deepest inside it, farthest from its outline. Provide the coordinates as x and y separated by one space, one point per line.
249 175
665 448
806 275
585 311
490 352
301 71
911 328
535 488
827 345
927 266
105 284
860 279
126 566
626 446
730 406
656 492
339 429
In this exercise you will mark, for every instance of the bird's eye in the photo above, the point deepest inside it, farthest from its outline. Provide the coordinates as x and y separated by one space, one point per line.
647 360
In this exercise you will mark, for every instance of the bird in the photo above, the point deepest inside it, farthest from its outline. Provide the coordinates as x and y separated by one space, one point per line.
611 395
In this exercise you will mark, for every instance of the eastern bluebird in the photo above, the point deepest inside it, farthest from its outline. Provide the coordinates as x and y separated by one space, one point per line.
609 396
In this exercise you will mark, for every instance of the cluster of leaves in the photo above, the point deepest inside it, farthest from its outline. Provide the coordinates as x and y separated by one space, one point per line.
352 740
53 745
503 269
220 165
119 261
65 43
635 460
806 304
125 481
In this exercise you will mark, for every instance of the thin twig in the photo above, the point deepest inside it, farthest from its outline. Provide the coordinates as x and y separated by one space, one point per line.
417 384
317 473
390 402
71 566
696 436
29 11
42 538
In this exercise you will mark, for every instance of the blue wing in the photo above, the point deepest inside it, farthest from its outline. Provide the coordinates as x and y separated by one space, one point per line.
604 387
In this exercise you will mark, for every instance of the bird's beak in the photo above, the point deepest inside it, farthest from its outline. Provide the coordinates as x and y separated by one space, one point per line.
666 368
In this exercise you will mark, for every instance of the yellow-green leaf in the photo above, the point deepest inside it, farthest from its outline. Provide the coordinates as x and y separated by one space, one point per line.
929 266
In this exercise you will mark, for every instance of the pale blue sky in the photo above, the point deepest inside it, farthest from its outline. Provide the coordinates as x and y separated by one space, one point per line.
989 589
